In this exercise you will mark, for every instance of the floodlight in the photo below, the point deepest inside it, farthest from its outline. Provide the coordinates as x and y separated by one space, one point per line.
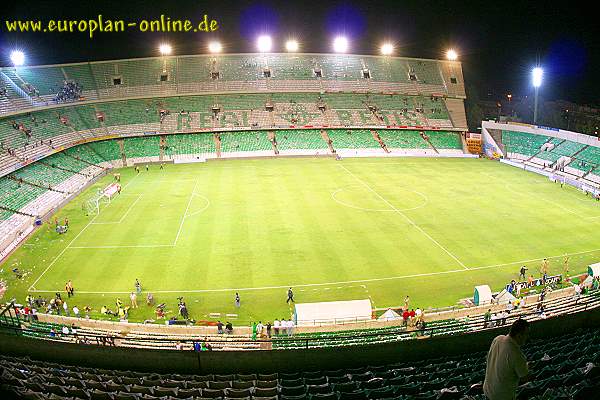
17 57
165 49
264 43
537 73
340 44
292 45
215 47
451 55
387 49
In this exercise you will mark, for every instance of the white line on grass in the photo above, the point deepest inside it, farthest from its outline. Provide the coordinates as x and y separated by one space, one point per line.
334 197
202 209
70 243
124 215
405 217
307 285
144 246
185 213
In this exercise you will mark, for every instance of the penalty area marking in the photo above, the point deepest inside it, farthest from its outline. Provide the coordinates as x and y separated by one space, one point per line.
123 216
334 197
357 281
202 209
70 243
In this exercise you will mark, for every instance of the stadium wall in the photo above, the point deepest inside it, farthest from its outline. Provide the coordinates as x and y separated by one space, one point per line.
544 131
279 360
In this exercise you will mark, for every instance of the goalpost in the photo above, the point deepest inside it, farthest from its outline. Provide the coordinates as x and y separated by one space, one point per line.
103 196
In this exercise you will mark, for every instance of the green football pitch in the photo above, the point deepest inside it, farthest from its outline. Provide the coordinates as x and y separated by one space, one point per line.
333 230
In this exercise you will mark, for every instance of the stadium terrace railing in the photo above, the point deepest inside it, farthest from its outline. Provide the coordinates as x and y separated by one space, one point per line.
573 305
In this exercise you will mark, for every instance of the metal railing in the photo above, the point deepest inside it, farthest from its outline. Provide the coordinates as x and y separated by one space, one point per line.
452 327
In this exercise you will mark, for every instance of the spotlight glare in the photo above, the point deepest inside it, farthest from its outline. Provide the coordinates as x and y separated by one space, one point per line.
215 47
340 44
292 45
452 55
387 49
264 43
165 49
17 57
537 74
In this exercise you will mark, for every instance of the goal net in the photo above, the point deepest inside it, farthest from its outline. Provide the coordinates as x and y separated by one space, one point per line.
103 196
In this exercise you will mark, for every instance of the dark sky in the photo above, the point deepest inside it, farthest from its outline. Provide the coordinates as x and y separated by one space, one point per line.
499 42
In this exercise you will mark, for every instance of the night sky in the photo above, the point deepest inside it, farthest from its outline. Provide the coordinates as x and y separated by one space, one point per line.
498 42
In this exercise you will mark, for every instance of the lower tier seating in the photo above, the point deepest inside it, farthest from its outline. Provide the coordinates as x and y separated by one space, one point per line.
564 367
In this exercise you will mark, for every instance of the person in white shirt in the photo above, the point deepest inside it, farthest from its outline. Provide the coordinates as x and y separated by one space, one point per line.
577 292
418 313
66 308
76 312
284 326
65 330
494 320
506 363
290 327
259 329
276 326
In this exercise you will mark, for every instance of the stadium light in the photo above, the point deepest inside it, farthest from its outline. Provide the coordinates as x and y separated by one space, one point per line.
292 46
215 47
165 49
452 55
387 49
264 43
536 79
340 44
17 57
537 73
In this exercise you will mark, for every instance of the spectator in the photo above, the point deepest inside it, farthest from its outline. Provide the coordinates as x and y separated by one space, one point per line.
506 363
276 326
66 308
268 329
405 316
290 327
87 310
229 327
149 299
65 330
486 318
76 311
219 327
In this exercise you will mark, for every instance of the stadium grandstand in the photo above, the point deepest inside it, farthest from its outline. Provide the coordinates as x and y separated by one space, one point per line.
287 226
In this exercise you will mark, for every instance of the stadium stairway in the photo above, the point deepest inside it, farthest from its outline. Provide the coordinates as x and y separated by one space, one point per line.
563 367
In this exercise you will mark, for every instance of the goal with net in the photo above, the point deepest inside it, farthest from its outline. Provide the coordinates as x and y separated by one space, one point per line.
92 206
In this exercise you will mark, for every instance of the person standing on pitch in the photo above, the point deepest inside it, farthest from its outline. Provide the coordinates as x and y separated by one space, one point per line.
138 286
237 300
133 298
522 272
290 296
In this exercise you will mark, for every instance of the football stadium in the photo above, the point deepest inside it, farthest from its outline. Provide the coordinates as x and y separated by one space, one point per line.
282 224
